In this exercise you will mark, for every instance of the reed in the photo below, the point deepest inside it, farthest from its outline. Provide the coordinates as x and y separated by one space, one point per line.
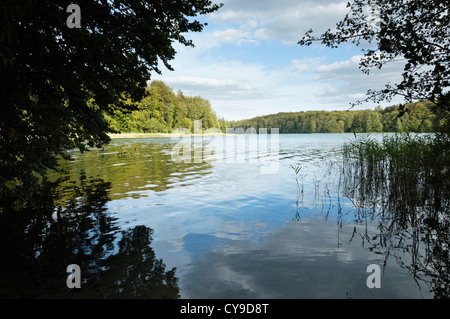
404 181
402 173
300 191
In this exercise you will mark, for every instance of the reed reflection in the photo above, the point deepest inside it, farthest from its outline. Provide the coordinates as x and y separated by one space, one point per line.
411 206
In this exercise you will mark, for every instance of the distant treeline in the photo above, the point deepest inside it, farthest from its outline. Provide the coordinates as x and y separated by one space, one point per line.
411 117
163 110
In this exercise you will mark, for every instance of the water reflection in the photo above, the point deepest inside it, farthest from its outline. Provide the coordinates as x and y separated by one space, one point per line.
37 244
412 212
230 231
135 168
419 241
300 260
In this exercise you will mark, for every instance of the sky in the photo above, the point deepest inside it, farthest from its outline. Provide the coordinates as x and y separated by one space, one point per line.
247 62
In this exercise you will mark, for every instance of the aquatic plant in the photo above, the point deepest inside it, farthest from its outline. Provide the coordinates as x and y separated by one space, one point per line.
300 191
403 180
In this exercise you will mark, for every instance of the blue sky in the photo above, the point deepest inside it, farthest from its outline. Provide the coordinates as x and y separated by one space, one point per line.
247 61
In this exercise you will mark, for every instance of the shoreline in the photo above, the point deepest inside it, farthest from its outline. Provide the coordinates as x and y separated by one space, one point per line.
165 135
159 135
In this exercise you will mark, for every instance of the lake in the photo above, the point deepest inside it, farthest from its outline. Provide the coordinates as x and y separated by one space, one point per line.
142 221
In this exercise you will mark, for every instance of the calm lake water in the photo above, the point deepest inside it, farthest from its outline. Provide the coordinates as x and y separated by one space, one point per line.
139 224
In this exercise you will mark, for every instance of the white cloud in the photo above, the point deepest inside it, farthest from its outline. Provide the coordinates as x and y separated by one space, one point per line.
305 78
283 20
350 83
305 65
213 87
335 67
240 90
234 36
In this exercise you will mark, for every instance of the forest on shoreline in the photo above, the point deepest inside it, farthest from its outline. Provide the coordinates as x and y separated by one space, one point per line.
412 117
163 111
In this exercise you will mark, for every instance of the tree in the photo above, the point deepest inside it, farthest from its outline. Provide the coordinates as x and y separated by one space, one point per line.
186 123
222 124
156 101
49 72
181 110
161 111
419 117
414 30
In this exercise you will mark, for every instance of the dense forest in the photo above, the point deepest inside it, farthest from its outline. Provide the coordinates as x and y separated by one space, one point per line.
162 110
411 117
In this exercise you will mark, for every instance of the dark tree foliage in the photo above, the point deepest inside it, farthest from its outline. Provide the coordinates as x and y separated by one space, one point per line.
415 31
57 82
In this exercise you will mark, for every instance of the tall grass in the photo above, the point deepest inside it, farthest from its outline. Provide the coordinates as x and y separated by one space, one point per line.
300 191
405 180
402 173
